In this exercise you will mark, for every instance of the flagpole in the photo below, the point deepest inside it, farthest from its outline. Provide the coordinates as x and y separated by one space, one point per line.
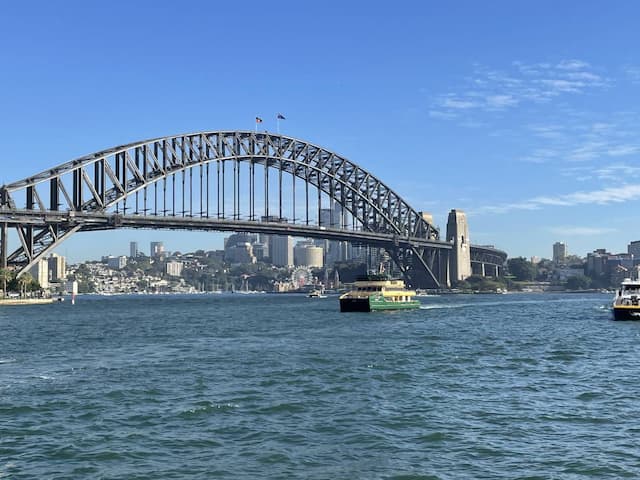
278 124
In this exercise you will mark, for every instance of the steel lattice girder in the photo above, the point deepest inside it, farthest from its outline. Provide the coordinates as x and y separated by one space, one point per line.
103 181
114 174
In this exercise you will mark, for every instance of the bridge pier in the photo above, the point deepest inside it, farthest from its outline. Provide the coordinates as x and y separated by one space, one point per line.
458 234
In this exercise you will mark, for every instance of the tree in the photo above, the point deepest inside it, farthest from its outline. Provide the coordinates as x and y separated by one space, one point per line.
5 276
522 269
23 281
578 282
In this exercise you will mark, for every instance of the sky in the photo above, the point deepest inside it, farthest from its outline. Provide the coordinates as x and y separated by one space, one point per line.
525 115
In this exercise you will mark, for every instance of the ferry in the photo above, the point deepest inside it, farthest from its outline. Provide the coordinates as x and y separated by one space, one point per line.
377 292
316 294
626 303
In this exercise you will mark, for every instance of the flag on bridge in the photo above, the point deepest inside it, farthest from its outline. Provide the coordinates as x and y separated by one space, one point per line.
278 118
258 120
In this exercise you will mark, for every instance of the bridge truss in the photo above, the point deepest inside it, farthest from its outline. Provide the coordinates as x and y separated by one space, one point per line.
223 181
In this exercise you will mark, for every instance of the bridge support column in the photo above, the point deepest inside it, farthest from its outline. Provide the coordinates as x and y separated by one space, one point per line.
483 271
3 245
458 234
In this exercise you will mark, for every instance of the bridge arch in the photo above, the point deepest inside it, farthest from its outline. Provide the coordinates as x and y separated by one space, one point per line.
120 172
153 179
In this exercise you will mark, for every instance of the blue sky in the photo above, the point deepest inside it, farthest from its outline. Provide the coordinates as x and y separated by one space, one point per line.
523 114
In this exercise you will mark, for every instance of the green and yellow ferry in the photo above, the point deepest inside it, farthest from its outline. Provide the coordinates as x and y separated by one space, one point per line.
378 292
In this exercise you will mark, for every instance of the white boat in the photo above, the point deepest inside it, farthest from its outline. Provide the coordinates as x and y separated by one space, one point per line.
316 294
626 303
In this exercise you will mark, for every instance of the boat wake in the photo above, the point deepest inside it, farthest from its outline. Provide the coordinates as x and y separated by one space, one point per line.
437 306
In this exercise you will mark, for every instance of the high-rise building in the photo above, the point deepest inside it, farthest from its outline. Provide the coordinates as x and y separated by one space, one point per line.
133 249
57 266
307 254
634 249
157 249
334 251
281 250
559 252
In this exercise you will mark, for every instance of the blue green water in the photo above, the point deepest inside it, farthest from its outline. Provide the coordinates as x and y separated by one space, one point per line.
285 387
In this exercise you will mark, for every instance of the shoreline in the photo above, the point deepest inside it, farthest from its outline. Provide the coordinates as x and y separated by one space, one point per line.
25 301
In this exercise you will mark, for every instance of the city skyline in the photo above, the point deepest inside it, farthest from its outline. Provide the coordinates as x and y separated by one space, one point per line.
512 113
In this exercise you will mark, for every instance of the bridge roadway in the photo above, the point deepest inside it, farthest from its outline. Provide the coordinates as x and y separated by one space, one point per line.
91 221
95 221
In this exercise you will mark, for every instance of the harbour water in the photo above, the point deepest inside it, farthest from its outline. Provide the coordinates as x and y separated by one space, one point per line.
283 387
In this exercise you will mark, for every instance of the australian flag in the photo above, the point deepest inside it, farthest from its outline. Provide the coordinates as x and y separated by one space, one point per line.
280 117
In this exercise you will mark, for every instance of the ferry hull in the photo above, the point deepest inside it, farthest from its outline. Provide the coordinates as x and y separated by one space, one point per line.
354 305
626 313
374 304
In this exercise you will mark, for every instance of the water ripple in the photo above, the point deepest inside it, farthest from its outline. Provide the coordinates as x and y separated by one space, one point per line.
281 387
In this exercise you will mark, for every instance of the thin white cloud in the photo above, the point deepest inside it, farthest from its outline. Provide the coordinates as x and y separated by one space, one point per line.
501 101
580 140
457 104
493 90
605 196
620 150
441 114
581 231
572 65
556 86
550 132
617 171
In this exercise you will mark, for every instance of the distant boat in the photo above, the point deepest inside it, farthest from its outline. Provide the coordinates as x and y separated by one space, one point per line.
377 292
626 303
316 294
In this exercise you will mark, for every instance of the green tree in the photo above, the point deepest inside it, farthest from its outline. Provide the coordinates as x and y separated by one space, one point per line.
5 276
24 281
522 269
578 282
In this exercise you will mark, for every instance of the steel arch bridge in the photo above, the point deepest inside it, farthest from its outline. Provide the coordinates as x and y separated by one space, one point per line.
222 181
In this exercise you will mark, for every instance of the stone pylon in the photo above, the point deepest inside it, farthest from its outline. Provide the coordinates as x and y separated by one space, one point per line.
458 234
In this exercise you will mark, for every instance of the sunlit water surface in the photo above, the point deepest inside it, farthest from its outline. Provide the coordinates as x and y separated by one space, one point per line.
284 386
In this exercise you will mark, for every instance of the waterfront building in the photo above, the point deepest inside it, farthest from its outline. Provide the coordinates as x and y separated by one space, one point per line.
559 253
57 265
281 250
117 263
597 262
40 273
133 249
239 253
174 268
